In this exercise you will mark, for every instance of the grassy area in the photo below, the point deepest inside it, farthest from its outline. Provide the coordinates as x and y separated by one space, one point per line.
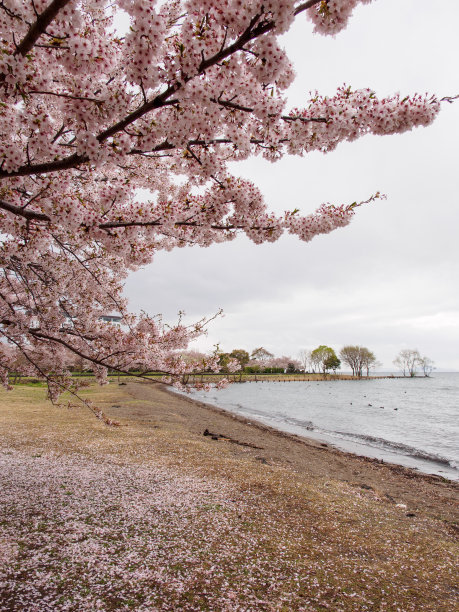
212 378
149 516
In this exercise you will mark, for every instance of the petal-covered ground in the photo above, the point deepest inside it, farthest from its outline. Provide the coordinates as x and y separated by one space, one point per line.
79 534
151 517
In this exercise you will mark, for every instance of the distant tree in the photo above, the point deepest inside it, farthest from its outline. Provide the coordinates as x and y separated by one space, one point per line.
320 355
223 361
407 361
400 364
332 363
193 356
242 356
350 355
316 361
281 363
368 359
260 354
358 358
305 359
427 365
252 368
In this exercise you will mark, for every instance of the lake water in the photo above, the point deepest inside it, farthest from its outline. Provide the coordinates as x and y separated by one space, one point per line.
409 421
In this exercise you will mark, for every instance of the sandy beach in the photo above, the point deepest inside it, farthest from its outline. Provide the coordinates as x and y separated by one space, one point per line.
187 507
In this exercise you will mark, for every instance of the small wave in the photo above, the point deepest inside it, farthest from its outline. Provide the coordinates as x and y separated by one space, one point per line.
277 417
248 411
309 425
398 447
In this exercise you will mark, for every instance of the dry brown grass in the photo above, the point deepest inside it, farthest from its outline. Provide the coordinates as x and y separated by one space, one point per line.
280 542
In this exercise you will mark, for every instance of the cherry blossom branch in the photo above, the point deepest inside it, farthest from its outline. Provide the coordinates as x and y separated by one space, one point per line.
53 382
76 160
247 109
10 13
64 95
40 25
88 270
156 222
24 212
36 333
45 167
252 31
159 101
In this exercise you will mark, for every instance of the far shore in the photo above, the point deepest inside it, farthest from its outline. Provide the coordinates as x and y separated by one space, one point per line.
237 377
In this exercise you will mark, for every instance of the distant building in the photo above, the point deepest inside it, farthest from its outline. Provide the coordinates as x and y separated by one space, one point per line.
111 318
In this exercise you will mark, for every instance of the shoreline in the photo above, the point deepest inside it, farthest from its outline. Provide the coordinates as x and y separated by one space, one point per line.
313 441
371 432
420 493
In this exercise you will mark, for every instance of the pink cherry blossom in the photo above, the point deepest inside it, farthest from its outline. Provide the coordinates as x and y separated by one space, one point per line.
90 116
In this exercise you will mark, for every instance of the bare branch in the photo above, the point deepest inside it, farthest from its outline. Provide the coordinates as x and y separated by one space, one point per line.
450 99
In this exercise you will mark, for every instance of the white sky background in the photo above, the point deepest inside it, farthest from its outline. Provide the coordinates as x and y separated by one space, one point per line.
390 279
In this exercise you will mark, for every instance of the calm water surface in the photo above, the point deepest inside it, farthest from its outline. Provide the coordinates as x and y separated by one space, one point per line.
412 422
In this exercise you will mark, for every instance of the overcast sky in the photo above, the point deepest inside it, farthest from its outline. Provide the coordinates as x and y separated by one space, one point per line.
389 280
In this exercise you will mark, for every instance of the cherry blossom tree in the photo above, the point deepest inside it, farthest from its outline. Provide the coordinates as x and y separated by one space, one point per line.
117 144
285 362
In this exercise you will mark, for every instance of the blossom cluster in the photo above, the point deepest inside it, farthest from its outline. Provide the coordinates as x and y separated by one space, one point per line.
331 16
90 117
